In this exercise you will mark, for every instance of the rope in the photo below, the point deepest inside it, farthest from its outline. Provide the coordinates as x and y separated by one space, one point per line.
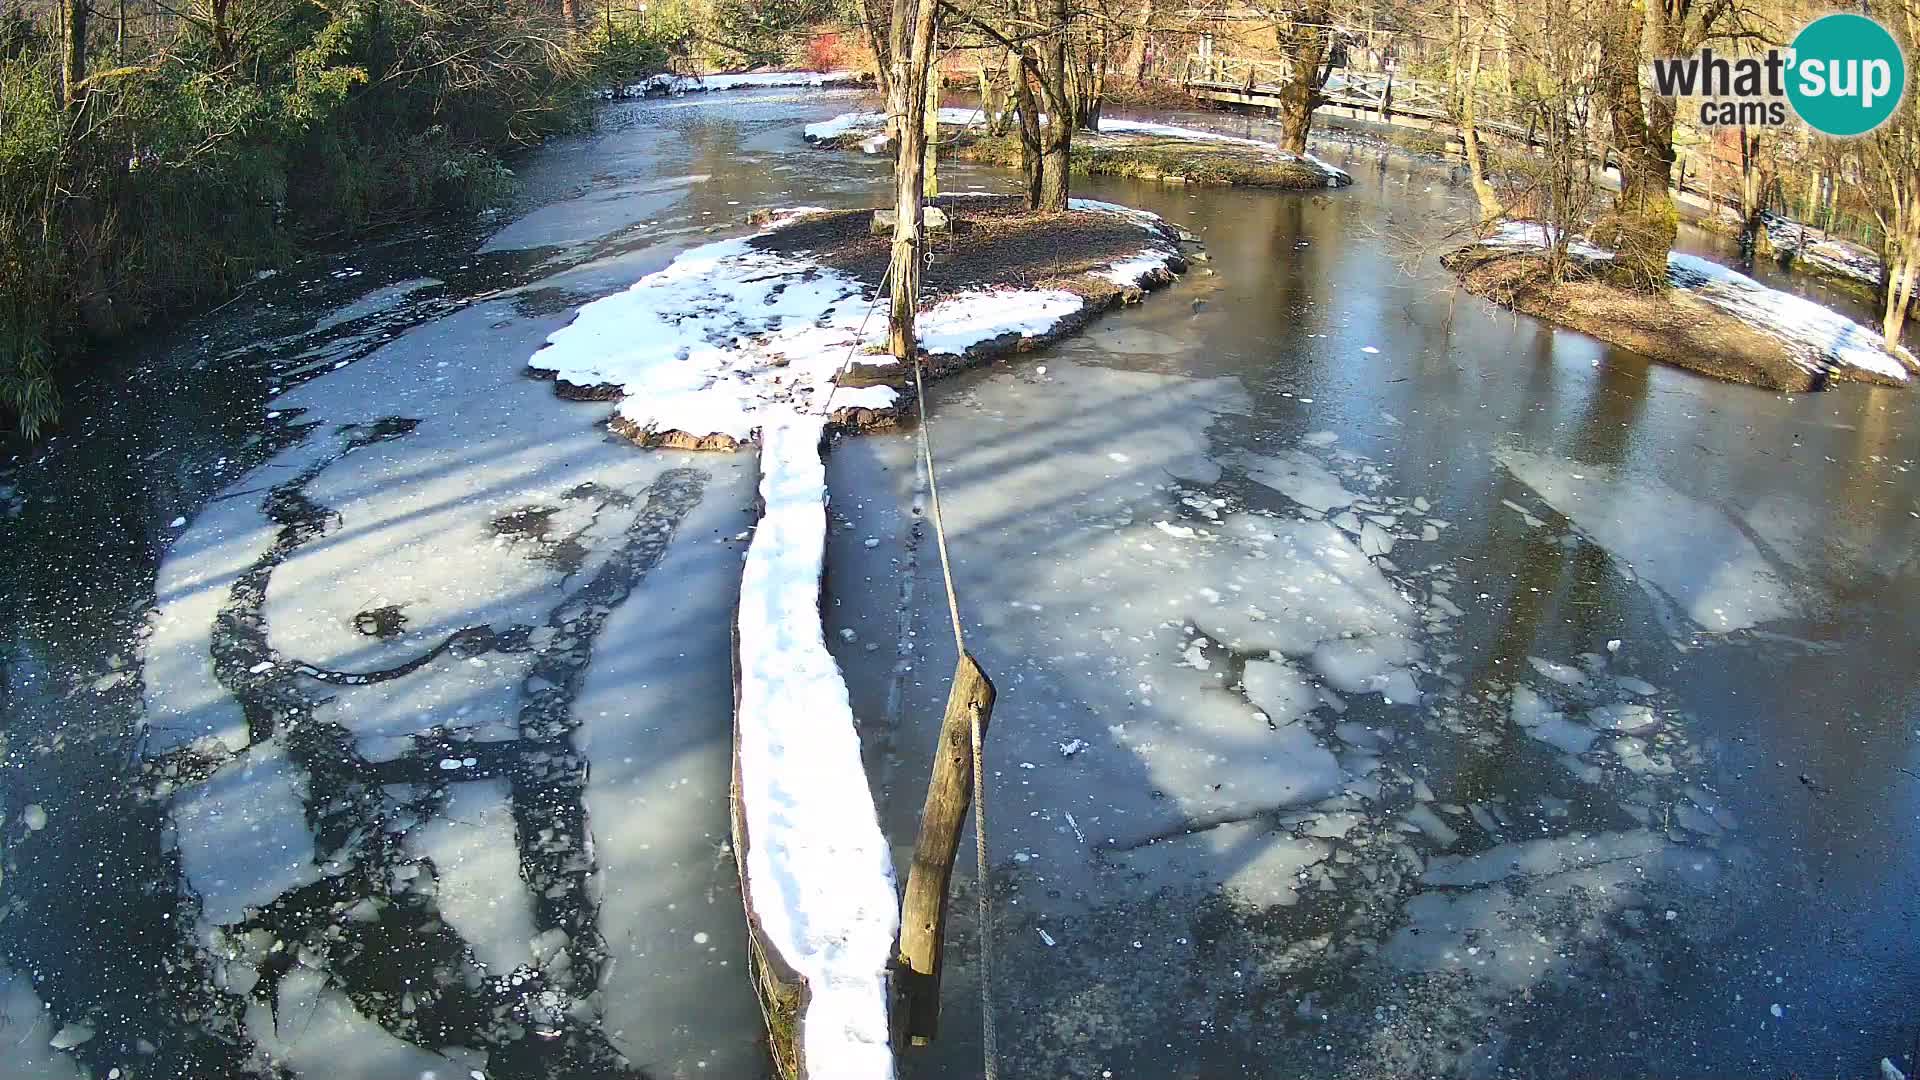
989 1038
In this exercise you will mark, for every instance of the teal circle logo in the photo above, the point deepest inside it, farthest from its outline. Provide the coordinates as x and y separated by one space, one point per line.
1847 75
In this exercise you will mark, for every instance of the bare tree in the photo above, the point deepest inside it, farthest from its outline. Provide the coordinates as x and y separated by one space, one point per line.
910 43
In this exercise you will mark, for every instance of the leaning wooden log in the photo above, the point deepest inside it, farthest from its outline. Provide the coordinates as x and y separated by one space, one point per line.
923 911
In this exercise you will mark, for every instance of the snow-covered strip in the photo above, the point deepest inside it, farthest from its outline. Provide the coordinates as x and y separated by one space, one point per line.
1109 126
1336 176
682 84
958 323
1137 269
819 874
1818 337
1519 234
1151 222
862 121
865 121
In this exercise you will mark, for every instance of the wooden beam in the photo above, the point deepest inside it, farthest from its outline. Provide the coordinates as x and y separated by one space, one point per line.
923 910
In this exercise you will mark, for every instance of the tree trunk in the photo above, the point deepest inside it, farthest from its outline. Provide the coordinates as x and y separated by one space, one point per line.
1305 45
1899 277
74 68
1490 208
1027 114
1056 148
874 22
1645 223
1137 46
910 45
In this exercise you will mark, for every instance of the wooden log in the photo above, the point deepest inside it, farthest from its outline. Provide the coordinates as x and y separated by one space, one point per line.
923 910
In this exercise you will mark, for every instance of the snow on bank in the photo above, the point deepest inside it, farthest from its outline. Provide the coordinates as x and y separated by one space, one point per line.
819 872
1817 338
847 123
1816 335
686 84
874 121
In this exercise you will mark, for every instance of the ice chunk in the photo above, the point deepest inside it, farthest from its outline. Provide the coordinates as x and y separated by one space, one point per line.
1430 822
1631 719
242 835
1300 477
1569 736
1276 689
28 1043
481 895
1565 674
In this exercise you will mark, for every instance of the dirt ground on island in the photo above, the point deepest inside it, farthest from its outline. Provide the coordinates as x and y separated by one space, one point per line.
993 242
1670 326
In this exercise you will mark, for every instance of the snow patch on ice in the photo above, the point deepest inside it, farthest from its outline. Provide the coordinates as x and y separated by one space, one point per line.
242 835
1689 552
27 1035
1300 477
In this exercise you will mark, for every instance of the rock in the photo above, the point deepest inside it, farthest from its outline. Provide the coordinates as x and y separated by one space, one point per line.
71 1036
34 817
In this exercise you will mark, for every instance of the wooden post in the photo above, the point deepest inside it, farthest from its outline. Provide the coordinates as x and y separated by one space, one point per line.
923 910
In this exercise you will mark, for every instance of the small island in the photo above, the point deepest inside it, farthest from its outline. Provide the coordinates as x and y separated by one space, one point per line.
1136 149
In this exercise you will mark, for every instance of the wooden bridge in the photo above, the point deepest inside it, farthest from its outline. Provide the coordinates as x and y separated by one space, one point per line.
1242 80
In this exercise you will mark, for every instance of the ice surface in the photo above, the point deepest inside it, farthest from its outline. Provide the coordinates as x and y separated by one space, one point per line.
26 1034
1250 860
1689 551
761 80
656 711
242 835
477 864
1536 858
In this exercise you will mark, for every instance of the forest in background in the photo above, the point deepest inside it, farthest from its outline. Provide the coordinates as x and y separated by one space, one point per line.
146 148
155 155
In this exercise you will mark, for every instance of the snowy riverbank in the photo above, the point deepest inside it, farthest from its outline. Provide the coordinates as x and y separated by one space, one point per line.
668 83
1712 319
1144 150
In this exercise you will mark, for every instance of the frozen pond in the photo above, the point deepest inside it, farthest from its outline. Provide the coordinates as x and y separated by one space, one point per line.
1388 685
